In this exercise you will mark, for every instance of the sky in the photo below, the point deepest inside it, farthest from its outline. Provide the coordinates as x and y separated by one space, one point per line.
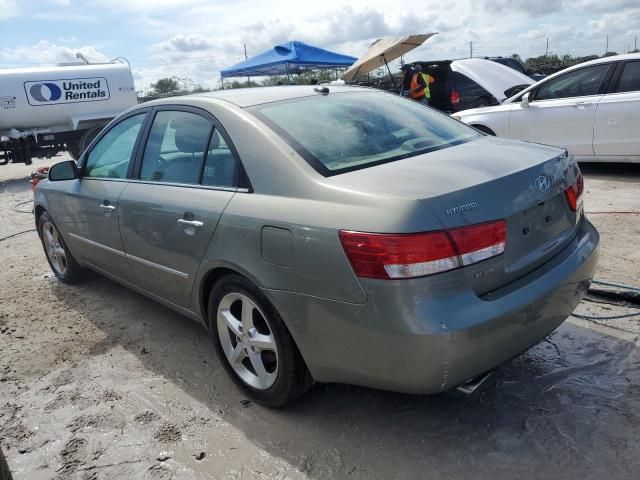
195 39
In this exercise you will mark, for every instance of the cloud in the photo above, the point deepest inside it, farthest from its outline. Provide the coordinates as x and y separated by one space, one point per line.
8 9
46 53
602 6
531 7
185 43
197 38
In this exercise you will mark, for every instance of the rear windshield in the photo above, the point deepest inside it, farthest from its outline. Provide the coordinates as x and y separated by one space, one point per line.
341 132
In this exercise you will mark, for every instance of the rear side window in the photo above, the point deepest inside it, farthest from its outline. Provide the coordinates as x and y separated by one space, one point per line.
176 147
579 83
221 166
630 78
110 157
341 132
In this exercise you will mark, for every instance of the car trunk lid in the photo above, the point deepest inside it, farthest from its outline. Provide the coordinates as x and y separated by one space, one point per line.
468 184
497 79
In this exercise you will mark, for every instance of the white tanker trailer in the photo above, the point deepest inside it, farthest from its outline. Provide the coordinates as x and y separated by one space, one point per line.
47 110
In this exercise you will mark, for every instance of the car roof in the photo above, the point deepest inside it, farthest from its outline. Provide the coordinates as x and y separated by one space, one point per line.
246 97
612 58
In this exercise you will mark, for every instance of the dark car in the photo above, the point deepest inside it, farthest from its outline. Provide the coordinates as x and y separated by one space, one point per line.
471 83
517 65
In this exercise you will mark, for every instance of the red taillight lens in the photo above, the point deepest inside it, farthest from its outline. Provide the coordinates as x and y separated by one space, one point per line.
455 97
574 193
386 256
479 242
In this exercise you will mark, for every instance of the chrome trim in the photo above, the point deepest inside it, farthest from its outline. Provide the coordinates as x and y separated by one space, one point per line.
190 223
104 179
131 257
159 267
99 245
185 185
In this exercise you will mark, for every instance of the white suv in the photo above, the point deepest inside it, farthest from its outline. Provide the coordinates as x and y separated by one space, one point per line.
591 109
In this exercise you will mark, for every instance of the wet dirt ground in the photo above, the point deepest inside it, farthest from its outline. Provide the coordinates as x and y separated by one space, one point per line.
97 382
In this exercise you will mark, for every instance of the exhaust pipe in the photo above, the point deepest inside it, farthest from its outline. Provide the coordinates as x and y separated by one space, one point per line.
473 384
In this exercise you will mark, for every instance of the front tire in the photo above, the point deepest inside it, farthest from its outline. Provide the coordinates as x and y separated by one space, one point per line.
253 343
60 259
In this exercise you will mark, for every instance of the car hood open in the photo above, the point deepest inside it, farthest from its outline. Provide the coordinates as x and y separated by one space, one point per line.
493 77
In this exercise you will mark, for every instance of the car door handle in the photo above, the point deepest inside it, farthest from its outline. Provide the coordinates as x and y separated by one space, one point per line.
190 223
582 104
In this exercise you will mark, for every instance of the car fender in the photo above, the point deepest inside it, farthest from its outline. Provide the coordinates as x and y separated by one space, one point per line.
494 118
40 200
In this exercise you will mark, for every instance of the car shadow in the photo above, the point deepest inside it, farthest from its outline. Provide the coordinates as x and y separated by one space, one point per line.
571 404
623 172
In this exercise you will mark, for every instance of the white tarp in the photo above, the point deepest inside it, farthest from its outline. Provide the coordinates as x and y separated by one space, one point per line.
384 50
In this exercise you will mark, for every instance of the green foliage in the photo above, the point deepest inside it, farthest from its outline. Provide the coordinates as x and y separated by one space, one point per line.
165 86
306 78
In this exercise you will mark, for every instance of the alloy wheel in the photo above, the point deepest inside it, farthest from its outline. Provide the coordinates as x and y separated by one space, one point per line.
54 247
247 340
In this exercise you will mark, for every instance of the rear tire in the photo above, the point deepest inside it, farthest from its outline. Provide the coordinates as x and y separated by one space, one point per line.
60 259
254 345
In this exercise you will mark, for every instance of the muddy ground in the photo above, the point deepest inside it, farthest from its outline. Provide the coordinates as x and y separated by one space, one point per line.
97 382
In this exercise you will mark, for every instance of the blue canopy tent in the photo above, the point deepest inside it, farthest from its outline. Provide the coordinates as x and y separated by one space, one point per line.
287 58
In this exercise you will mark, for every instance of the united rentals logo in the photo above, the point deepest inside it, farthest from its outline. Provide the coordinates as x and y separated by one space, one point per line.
53 92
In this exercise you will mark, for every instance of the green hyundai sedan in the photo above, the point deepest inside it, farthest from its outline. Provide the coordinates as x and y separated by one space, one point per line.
328 233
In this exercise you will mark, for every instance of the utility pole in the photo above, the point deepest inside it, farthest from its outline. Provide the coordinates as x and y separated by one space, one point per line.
546 52
635 44
245 57
470 49
606 50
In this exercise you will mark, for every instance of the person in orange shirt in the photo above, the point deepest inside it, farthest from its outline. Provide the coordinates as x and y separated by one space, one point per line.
420 90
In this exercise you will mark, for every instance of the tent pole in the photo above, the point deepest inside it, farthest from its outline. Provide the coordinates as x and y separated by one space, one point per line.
395 87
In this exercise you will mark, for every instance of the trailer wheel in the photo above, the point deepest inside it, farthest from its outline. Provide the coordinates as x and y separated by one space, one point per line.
83 142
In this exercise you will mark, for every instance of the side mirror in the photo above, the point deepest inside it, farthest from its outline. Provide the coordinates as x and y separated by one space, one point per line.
63 171
526 98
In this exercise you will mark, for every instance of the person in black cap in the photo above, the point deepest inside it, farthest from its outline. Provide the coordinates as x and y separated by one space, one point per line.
406 79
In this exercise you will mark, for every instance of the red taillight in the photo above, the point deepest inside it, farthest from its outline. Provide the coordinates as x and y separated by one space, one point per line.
479 242
574 193
455 97
387 256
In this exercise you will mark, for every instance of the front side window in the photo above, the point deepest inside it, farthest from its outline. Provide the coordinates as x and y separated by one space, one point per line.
579 83
111 155
176 147
340 132
630 78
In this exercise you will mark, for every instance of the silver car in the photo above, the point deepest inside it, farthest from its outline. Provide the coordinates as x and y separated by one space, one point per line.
330 234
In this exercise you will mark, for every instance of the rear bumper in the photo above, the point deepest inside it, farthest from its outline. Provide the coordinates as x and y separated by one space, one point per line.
424 337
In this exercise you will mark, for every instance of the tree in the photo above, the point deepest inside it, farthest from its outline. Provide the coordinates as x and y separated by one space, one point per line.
200 89
610 54
165 86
